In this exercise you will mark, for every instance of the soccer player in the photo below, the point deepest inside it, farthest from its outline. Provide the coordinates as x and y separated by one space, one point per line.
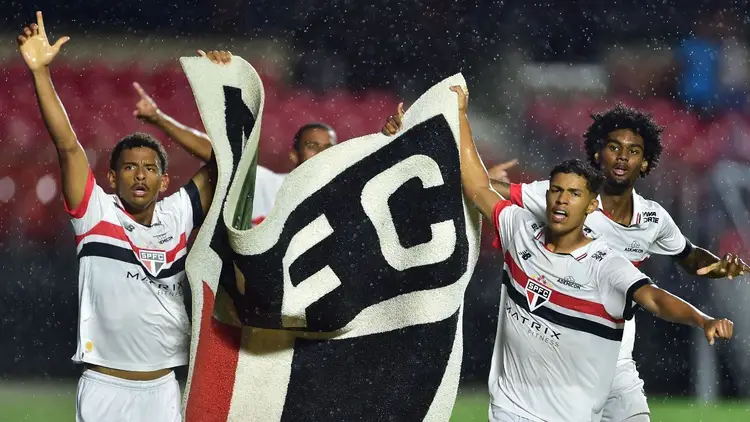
309 140
626 145
132 325
567 296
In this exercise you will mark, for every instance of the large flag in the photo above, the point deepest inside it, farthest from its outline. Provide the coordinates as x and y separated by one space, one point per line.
352 286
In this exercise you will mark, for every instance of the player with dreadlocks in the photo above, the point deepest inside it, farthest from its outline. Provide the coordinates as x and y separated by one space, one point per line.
625 143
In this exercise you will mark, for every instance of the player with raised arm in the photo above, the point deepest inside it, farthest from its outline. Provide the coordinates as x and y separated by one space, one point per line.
309 140
132 325
566 296
625 144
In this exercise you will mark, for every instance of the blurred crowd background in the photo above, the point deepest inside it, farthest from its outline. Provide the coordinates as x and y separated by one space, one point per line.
536 70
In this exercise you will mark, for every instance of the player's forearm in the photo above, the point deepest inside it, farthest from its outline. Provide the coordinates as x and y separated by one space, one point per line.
194 141
671 308
699 258
473 173
53 113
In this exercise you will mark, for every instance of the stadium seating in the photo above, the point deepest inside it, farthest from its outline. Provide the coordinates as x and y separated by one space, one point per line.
100 101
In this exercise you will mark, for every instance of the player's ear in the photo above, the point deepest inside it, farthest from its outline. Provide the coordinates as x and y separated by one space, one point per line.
294 157
112 177
644 166
596 157
164 183
593 204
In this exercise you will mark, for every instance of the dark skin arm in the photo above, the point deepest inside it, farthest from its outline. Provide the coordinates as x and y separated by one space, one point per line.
671 308
704 263
38 54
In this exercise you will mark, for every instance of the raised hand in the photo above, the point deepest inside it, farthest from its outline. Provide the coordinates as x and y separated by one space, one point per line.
146 108
463 97
216 56
500 171
718 328
393 122
730 266
35 47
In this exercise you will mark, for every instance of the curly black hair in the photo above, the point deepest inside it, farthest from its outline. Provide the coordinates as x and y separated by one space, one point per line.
137 140
594 177
622 117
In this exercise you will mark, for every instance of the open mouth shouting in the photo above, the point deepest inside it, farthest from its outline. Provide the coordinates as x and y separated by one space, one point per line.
559 215
139 190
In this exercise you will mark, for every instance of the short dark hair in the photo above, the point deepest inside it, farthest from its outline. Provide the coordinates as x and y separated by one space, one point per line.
594 178
622 117
305 128
139 140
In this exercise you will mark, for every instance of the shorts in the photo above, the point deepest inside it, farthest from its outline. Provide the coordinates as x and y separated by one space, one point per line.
498 414
103 397
626 396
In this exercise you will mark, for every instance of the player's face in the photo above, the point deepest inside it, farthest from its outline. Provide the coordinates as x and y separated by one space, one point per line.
312 142
622 159
569 201
138 179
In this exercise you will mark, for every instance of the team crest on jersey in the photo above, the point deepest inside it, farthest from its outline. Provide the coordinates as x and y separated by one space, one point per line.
152 260
537 294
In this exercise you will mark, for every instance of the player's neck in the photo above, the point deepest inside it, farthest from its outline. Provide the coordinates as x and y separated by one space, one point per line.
618 204
143 216
565 242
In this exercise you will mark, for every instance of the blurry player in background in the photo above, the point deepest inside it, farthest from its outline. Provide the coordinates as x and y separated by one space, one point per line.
566 296
132 326
626 145
309 140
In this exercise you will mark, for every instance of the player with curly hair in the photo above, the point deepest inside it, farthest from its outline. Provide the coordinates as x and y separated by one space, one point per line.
625 144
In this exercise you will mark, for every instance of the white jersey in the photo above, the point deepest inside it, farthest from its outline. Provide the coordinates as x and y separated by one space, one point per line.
130 281
267 185
561 322
651 231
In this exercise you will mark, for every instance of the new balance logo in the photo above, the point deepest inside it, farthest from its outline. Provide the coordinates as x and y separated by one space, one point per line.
635 247
599 255
525 255
536 294
152 260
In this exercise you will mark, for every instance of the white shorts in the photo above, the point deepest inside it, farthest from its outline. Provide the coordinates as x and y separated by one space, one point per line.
498 414
626 396
103 397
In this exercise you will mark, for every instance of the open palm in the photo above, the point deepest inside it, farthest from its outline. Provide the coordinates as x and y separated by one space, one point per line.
35 47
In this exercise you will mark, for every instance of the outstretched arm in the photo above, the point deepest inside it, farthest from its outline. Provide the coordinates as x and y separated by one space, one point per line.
38 54
703 262
671 308
194 141
474 177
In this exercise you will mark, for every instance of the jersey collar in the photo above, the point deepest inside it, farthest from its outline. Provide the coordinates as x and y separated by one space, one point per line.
637 208
578 254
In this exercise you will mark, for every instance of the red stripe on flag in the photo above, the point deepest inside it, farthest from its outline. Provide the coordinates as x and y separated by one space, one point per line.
215 369
561 299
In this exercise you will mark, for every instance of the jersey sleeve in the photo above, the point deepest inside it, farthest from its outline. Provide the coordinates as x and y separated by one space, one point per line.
669 239
507 219
186 202
532 196
618 280
91 209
